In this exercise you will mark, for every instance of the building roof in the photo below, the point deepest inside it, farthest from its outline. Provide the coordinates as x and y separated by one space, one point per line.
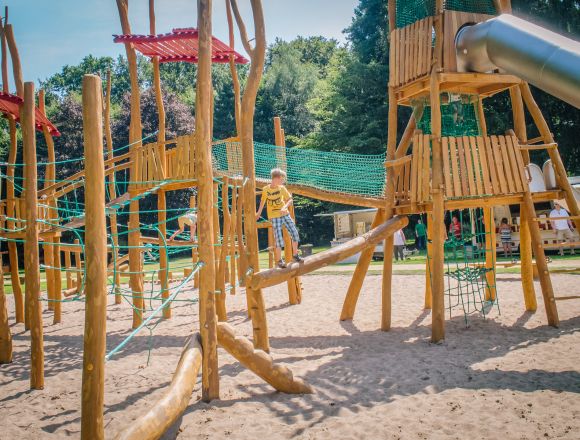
181 44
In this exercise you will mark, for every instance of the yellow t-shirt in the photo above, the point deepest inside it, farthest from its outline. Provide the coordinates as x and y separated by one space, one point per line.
275 199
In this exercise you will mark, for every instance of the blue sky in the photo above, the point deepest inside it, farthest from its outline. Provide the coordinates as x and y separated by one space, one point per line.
53 33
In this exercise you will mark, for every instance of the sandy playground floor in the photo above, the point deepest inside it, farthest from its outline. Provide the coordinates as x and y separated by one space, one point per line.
509 376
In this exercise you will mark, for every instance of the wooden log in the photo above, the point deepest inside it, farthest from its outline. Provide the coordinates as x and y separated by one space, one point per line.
490 247
5 334
57 281
203 165
112 186
257 56
10 170
233 233
527 269
78 265
559 169
194 252
94 342
388 244
31 257
135 136
543 272
275 276
15 57
437 262
428 291
358 277
68 267
221 274
165 411
260 362
47 255
163 260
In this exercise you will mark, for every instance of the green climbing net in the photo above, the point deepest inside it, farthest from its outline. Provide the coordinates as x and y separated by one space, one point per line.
410 11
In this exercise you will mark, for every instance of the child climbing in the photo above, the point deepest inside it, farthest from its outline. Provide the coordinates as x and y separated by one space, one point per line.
190 219
277 199
505 233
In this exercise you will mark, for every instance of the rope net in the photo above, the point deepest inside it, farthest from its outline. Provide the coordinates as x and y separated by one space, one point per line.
357 174
410 11
458 117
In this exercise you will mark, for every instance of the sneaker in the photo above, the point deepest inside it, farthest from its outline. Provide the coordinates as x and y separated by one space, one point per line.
297 258
282 264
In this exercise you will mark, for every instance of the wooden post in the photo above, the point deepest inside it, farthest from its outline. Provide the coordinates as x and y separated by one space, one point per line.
112 190
194 249
527 268
31 258
233 233
490 249
203 165
78 265
163 260
57 281
8 39
257 56
233 71
559 169
68 266
221 274
94 343
542 265
437 265
135 136
5 335
392 15
428 281
358 277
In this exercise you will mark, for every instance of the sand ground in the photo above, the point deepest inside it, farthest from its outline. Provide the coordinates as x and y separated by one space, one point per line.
509 376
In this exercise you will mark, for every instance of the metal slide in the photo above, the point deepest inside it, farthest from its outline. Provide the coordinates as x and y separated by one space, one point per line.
515 46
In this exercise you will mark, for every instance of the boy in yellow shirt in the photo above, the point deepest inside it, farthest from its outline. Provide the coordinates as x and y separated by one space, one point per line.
277 200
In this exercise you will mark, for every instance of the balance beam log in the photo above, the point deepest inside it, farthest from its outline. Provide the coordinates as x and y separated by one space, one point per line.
167 410
268 278
260 362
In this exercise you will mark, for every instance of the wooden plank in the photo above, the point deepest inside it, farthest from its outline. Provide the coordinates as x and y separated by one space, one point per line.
455 167
476 165
420 48
495 185
520 162
469 165
416 48
496 161
506 165
426 168
428 39
462 167
414 169
481 149
446 169
517 178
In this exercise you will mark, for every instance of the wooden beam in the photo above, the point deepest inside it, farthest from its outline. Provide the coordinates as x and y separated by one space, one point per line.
260 362
166 410
31 257
94 342
275 276
527 270
203 165
5 334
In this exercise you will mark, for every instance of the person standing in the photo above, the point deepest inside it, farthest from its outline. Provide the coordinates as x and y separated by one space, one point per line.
562 227
421 234
505 233
399 245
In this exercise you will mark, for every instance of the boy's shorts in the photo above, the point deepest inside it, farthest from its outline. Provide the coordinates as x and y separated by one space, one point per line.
189 219
286 222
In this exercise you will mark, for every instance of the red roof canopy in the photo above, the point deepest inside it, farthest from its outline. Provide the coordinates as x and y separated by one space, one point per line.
179 45
10 104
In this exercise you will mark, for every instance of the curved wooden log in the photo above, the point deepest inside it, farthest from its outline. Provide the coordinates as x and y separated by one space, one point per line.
165 412
267 278
260 362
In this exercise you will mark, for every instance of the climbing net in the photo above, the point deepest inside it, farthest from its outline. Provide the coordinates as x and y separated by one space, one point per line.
410 11
60 221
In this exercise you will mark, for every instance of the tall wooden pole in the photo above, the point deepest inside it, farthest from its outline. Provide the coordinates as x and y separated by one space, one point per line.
490 248
527 269
135 136
257 56
203 165
234 71
437 272
161 197
112 188
31 257
5 335
10 170
94 343
428 291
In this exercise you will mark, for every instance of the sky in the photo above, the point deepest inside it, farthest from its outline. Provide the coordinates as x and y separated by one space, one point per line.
53 33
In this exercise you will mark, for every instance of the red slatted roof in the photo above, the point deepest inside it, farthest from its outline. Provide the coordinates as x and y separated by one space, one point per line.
10 104
179 45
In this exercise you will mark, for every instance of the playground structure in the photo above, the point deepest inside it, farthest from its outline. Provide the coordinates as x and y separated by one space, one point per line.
454 165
